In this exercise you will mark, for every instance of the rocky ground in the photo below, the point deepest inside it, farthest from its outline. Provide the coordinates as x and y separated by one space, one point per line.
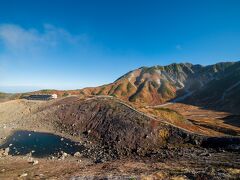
101 159
209 165
218 123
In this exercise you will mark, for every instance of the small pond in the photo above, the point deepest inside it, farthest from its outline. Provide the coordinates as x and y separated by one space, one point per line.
41 144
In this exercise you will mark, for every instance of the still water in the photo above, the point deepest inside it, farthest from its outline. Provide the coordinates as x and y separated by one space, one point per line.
40 144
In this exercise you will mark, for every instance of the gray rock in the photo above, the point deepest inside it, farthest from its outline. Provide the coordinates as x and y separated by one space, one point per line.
63 155
30 160
35 162
77 154
23 175
6 151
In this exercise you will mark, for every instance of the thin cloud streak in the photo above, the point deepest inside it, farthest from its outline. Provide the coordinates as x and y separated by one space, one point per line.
18 39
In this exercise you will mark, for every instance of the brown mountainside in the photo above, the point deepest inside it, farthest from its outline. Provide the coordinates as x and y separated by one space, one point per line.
175 82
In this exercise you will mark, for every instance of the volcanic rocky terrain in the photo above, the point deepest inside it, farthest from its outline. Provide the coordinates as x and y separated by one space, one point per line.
177 121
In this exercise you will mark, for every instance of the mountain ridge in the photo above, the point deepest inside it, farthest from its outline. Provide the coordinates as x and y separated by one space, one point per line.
158 84
189 83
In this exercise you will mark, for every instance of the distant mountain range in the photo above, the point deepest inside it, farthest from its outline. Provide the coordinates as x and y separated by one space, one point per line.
213 86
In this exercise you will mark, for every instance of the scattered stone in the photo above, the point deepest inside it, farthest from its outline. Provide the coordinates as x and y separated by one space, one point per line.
3 170
1 152
210 170
77 154
29 154
62 139
35 162
51 157
29 134
234 147
74 134
30 160
23 175
10 145
99 161
205 154
63 156
6 151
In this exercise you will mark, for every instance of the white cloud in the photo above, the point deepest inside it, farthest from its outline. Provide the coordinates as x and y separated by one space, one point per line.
18 39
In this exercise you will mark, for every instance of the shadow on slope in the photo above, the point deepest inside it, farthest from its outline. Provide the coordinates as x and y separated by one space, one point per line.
233 120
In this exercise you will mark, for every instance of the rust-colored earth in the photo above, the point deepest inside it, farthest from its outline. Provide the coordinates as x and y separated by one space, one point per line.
154 142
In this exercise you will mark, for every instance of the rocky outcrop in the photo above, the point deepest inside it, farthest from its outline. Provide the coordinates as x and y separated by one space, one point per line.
120 127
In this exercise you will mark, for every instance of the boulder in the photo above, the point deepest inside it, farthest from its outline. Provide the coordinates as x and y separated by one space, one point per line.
6 151
77 154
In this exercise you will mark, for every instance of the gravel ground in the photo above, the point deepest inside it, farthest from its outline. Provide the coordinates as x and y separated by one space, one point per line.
179 163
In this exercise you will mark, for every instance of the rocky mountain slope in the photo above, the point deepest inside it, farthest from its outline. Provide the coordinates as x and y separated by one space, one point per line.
120 128
222 92
111 131
105 121
214 86
117 126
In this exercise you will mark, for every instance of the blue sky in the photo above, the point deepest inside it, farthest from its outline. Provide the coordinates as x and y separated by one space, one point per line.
70 44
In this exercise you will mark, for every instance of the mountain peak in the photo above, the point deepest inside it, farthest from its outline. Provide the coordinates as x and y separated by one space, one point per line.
158 84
